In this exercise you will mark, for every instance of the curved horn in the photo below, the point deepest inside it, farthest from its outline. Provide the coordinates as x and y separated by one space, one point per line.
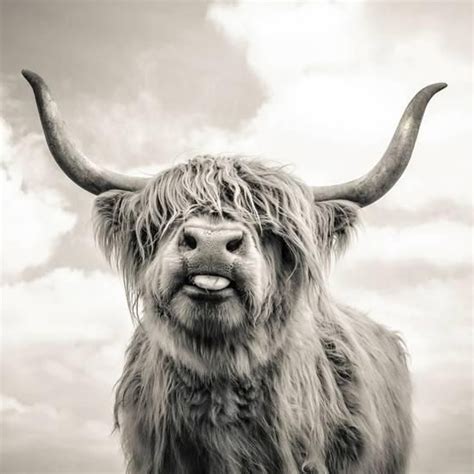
380 179
81 170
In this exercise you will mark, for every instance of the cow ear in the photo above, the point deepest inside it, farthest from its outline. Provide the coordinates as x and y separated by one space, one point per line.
336 222
113 219
109 210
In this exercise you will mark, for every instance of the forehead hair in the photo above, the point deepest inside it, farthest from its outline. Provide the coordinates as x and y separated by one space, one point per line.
247 190
266 197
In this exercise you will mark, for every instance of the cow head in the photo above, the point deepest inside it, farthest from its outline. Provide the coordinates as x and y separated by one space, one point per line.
210 246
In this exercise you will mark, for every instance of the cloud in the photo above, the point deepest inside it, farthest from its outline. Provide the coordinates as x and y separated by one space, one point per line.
63 341
293 39
9 404
64 305
403 215
440 242
53 441
334 96
135 133
433 316
32 222
443 421
286 41
378 275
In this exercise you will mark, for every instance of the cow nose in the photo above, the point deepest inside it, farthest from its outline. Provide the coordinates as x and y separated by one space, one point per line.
215 242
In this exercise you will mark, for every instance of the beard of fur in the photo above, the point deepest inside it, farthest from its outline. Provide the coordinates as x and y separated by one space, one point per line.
158 387
299 386
226 339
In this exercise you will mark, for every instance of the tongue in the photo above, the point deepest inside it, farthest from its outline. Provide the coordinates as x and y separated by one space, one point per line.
211 282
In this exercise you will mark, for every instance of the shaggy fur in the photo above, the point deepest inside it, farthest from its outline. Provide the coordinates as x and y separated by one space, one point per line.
299 384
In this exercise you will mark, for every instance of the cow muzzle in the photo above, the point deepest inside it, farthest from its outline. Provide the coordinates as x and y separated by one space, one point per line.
211 252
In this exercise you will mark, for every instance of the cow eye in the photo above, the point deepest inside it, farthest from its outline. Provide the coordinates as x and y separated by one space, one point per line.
189 241
234 244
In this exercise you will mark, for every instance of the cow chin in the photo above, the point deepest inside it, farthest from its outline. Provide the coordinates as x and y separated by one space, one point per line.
206 314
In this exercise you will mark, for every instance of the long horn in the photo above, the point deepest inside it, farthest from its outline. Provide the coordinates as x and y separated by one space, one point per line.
380 179
80 169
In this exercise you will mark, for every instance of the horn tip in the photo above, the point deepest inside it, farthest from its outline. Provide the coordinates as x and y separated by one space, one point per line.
439 86
33 78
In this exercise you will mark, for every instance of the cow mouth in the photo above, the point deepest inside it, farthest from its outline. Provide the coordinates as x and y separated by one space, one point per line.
208 287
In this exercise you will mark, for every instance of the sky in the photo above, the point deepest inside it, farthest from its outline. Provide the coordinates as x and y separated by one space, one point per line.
143 85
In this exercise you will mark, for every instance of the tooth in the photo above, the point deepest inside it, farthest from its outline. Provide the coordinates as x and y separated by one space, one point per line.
211 282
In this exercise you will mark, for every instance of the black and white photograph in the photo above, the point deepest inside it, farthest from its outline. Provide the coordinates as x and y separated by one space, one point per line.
237 237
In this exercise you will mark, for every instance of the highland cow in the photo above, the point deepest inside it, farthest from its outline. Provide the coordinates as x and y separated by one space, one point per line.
241 361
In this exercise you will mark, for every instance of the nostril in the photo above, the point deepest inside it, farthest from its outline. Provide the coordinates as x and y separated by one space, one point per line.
189 241
234 244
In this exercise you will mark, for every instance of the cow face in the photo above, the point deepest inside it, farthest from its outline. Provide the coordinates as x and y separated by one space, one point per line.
218 246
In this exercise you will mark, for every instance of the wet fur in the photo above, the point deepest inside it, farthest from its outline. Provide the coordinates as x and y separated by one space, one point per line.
302 384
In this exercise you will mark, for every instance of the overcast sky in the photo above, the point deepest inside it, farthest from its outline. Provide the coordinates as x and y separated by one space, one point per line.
318 86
